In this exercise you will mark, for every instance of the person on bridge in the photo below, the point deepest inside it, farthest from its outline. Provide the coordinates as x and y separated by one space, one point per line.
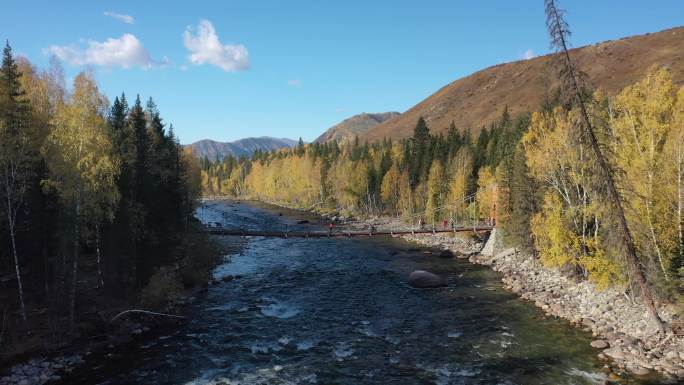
421 223
331 226
445 224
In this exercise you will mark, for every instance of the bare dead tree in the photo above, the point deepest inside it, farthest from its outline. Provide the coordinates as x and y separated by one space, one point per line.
559 33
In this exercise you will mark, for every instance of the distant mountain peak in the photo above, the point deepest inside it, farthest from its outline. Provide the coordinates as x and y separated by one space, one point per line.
212 149
353 126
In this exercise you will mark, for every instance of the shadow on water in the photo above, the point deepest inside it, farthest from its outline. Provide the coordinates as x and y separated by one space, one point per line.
339 311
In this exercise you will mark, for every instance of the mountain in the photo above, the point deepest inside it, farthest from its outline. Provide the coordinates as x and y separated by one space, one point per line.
243 147
479 99
356 125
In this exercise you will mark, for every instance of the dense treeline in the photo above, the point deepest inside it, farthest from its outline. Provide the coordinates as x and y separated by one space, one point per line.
95 199
404 178
548 196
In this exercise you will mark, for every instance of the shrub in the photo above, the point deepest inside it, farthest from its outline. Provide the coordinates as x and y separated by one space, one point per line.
164 286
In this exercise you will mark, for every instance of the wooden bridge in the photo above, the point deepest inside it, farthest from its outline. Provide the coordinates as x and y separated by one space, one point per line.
373 229
339 233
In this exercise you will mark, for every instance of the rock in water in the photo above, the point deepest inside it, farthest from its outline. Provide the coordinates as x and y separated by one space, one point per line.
424 279
446 253
599 344
302 222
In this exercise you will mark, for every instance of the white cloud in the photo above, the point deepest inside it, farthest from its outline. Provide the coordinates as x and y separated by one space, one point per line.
128 19
206 48
125 52
529 54
295 83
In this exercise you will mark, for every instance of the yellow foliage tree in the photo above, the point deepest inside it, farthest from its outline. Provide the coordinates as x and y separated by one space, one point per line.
486 182
461 170
641 122
437 190
390 191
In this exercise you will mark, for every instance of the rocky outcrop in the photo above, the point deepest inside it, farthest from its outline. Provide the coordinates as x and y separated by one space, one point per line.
490 246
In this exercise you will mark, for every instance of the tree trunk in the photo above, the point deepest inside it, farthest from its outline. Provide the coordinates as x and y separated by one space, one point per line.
74 277
654 239
680 231
17 269
99 259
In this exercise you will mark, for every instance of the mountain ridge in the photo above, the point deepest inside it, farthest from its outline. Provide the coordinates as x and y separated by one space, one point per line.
212 149
355 125
477 100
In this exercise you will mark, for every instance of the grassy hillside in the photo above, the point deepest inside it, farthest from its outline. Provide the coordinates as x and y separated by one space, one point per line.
477 100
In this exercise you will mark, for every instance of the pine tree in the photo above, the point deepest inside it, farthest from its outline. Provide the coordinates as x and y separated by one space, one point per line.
300 147
420 147
522 202
141 140
138 209
453 139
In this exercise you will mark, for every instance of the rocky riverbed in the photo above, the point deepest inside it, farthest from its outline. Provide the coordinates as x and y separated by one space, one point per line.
625 336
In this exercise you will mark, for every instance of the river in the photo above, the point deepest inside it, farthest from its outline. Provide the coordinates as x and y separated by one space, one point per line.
339 311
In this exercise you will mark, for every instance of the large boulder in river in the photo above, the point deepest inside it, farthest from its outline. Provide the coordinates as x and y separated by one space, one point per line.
446 253
424 279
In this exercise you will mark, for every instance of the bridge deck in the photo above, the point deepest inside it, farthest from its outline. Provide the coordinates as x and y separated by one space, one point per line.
325 234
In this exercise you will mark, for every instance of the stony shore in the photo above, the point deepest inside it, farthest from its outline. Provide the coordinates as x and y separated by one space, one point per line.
48 368
626 338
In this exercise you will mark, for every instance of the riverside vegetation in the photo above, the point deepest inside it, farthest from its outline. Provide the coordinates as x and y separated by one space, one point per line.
590 184
548 203
97 208
548 195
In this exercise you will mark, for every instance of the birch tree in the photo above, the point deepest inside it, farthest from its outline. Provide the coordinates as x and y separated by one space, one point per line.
82 168
17 156
641 121
674 170
437 190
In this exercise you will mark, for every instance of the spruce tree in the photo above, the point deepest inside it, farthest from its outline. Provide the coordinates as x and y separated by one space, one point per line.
523 201
138 126
300 147
16 157
422 160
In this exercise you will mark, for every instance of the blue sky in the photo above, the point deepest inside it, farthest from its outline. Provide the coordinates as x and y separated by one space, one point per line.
293 68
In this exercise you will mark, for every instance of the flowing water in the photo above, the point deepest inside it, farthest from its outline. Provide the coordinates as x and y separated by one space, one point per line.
339 311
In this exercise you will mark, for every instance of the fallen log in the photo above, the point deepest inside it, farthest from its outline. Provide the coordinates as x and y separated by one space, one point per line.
144 312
